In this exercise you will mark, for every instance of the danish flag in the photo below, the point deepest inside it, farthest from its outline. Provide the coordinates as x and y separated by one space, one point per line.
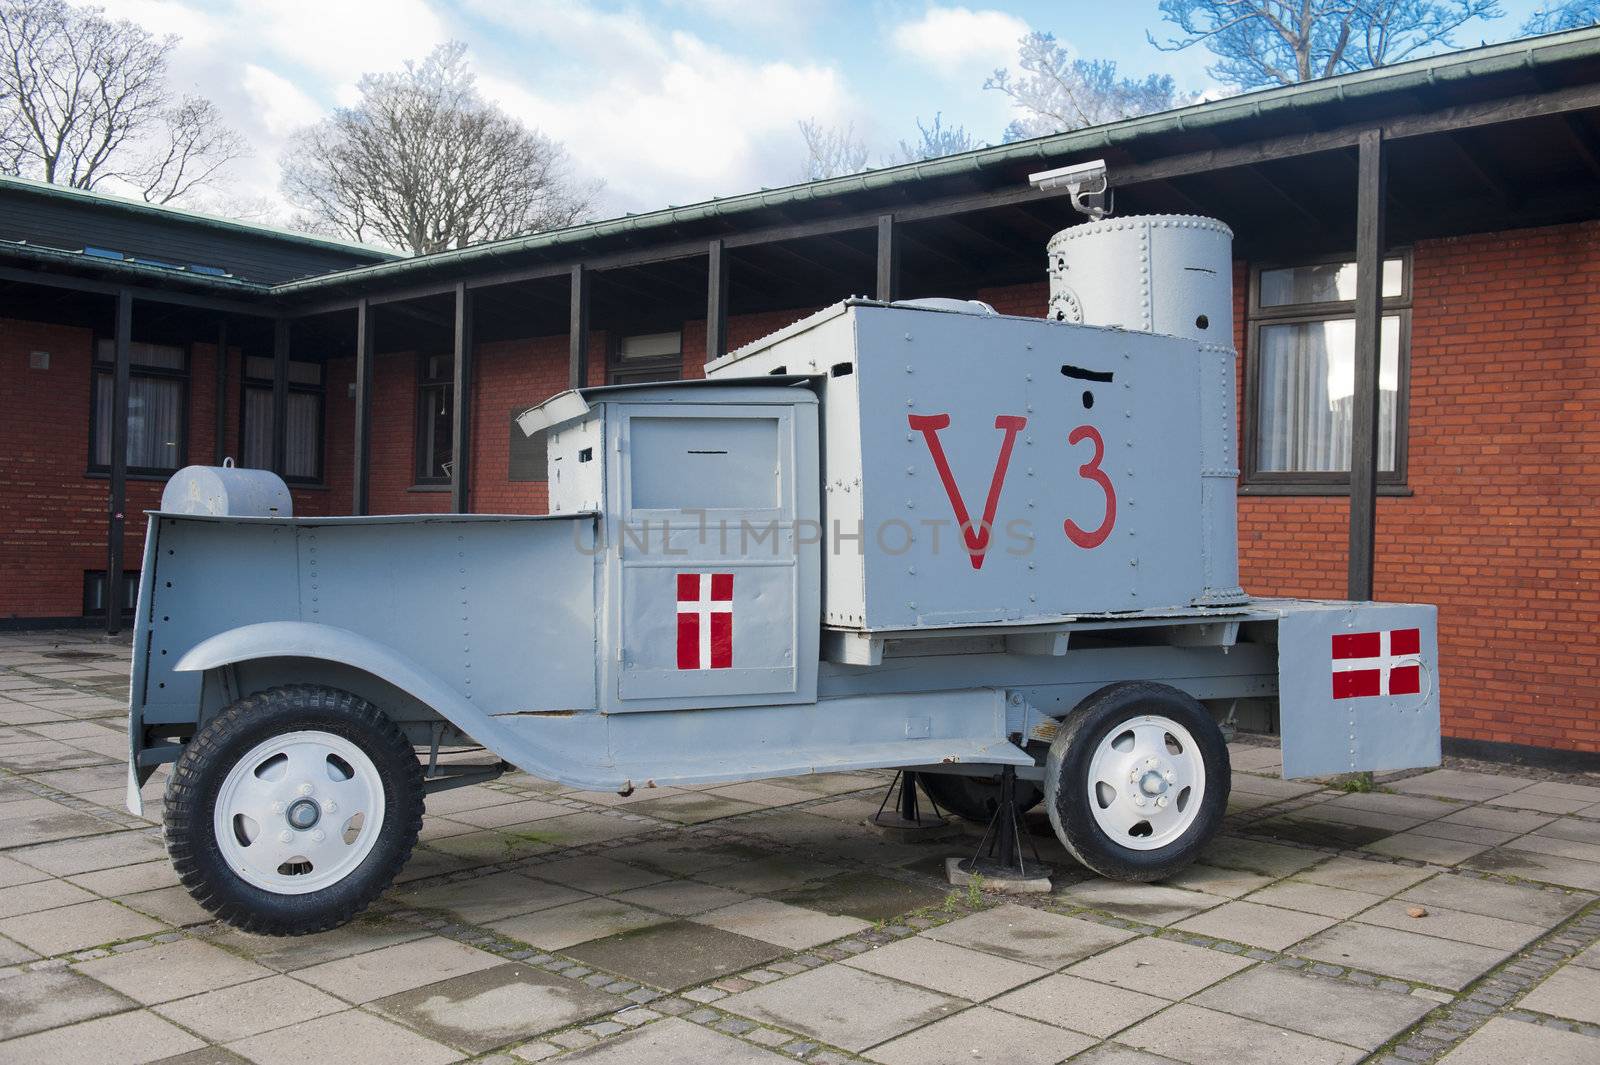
705 621
1377 663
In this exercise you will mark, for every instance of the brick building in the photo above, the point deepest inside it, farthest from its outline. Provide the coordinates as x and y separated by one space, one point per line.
1475 178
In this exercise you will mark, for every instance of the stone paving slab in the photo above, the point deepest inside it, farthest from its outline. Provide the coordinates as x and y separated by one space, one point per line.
982 1036
1501 1041
1404 955
566 926
1083 1005
676 954
1159 967
50 998
495 1007
348 1038
86 924
1257 925
1365 1017
247 1009
364 977
1206 1037
1572 992
1030 936
165 971
843 1006
674 1042
138 1037
947 968
793 927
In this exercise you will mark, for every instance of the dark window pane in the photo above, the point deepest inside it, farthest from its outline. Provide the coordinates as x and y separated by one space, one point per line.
529 461
434 446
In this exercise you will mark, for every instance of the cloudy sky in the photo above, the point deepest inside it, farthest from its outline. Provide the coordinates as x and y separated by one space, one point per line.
668 102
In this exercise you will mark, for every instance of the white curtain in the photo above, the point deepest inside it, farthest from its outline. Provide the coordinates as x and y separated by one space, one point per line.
302 445
257 429
1306 384
155 422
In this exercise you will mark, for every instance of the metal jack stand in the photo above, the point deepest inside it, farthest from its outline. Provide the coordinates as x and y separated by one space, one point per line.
999 860
905 820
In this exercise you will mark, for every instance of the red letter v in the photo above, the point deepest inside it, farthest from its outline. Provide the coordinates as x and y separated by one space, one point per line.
977 539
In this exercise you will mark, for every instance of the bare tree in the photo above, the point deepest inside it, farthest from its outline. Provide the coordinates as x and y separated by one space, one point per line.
84 100
1056 92
937 140
424 163
1558 15
831 151
1261 43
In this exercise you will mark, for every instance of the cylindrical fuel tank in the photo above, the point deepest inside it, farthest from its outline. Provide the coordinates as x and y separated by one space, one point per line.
1165 273
227 491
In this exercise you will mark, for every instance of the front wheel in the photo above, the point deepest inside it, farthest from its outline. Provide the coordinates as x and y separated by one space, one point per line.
1136 781
293 809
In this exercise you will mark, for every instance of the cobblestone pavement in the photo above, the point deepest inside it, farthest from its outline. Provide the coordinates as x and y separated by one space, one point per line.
1447 916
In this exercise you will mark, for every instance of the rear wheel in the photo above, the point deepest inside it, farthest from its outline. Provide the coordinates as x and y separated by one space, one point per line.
1136 782
293 809
975 798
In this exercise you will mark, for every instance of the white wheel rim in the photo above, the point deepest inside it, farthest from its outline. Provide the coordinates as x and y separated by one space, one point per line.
1147 781
299 812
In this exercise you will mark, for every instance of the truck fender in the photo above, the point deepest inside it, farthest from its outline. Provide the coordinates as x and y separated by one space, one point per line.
302 639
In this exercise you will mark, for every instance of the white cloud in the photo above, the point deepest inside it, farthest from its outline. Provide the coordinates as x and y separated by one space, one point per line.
693 123
958 40
279 104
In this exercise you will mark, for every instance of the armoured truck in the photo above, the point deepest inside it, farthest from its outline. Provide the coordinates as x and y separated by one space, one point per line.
914 535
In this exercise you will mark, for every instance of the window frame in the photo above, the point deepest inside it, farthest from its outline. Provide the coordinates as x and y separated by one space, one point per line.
644 369
247 382
425 384
1255 481
97 367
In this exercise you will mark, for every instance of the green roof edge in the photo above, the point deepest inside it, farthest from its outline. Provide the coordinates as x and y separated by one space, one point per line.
1528 52
110 201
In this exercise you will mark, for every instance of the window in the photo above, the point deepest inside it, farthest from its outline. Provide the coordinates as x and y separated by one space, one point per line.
647 357
1300 386
435 434
94 592
158 383
302 455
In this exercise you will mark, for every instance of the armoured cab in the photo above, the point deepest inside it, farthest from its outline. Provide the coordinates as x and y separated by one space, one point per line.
709 565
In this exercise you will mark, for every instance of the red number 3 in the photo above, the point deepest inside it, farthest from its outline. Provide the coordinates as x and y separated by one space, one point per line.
1091 471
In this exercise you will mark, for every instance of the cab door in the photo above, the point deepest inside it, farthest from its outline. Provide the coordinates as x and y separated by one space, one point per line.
717 597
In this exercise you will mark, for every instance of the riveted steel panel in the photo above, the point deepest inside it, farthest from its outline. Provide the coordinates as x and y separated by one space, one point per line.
1358 686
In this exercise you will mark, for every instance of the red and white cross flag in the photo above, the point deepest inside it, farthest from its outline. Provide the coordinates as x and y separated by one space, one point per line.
1377 663
705 621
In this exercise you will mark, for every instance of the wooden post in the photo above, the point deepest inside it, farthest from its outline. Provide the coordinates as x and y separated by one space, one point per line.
888 260
1370 189
118 502
360 484
220 452
280 395
578 330
717 303
461 410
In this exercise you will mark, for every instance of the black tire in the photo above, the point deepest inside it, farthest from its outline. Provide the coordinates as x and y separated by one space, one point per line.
975 798
207 759
1100 716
